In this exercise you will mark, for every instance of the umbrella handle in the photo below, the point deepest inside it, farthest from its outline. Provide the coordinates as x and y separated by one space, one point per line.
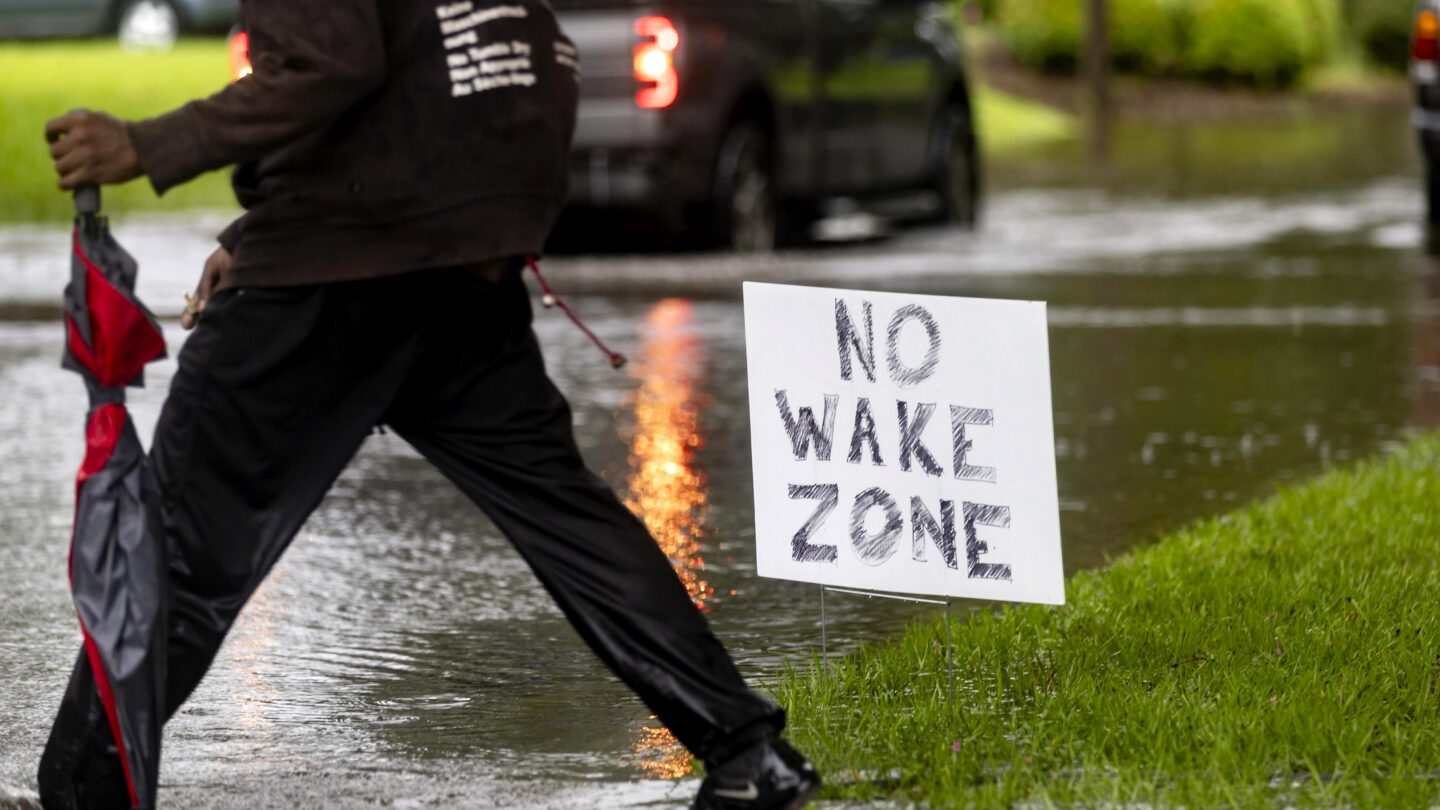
87 201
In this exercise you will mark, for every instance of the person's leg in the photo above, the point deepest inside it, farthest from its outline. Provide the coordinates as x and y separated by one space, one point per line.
275 391
482 409
254 434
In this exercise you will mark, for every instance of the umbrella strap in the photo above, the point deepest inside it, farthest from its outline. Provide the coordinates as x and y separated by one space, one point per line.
550 299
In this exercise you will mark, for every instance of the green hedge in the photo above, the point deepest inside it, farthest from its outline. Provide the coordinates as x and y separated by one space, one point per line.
1383 29
1268 42
1144 35
1047 34
1326 29
1043 34
989 7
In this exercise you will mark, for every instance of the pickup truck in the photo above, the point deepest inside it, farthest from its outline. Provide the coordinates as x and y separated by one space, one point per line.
1425 115
736 118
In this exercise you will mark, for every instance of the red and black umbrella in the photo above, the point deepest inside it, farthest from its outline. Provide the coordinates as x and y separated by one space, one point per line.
117 575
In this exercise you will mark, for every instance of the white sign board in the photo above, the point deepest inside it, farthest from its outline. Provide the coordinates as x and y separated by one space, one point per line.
903 443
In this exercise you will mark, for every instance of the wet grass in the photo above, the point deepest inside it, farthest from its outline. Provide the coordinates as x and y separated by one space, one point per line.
1350 74
1006 123
1287 654
39 81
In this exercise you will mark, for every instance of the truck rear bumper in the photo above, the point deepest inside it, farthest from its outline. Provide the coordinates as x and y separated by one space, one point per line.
664 181
1426 122
1427 130
626 179
625 157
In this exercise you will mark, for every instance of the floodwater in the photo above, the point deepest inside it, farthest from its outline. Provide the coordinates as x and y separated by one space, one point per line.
1232 307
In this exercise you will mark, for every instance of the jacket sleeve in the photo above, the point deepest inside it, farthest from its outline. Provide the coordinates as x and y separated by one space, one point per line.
312 61
230 237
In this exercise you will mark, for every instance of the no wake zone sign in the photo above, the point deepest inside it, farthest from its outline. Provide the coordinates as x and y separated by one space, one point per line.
903 443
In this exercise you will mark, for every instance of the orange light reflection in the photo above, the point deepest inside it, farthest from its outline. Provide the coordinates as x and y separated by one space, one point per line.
664 489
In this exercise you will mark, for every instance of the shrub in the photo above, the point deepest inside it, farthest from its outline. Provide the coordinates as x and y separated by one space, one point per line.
1143 35
1383 29
1259 41
1266 42
991 8
1043 34
1049 35
1325 29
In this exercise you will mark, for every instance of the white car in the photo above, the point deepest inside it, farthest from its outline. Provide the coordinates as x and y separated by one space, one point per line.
137 23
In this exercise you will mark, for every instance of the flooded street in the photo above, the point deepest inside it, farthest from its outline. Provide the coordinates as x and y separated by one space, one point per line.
1231 308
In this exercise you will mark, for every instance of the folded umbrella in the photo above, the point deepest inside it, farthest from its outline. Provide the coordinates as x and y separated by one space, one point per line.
116 564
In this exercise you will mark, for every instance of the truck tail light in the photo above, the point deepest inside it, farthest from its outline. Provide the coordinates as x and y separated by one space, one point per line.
240 55
1423 46
655 63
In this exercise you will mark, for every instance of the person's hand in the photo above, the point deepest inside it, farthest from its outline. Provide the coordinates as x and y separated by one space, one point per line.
215 267
91 148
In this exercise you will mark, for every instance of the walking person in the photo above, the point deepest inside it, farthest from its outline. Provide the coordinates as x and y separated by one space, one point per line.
397 162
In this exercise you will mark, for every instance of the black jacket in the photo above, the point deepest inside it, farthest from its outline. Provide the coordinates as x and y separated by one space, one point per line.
382 136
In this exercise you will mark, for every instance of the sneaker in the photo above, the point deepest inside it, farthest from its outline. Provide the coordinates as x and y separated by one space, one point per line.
769 775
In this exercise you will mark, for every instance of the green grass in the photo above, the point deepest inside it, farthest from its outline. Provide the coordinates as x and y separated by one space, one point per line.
1006 123
1351 72
1284 655
41 81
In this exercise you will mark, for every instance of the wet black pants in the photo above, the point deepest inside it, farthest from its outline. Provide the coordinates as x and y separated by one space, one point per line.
276 390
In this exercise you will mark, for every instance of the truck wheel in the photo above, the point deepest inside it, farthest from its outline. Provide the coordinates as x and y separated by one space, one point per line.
956 176
147 25
745 204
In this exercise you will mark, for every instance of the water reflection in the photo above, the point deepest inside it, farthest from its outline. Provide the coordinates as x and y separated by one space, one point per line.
665 490
250 650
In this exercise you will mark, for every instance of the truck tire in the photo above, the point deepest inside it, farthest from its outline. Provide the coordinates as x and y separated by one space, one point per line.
745 207
147 24
956 177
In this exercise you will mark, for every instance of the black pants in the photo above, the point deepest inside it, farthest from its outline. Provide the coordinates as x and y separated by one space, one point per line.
276 390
